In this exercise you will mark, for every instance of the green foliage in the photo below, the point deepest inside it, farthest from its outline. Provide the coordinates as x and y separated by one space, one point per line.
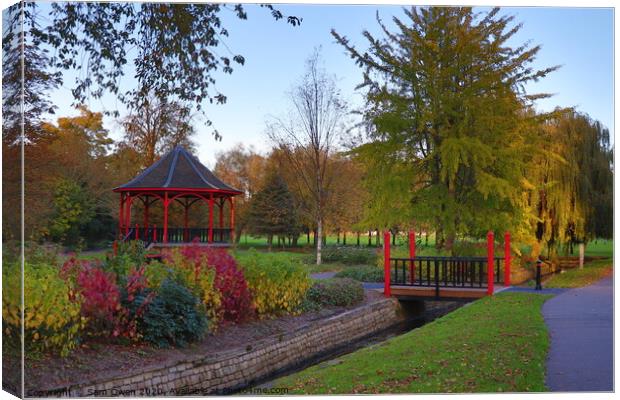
272 210
336 292
349 255
198 276
157 272
278 282
475 349
72 209
173 48
52 320
174 317
362 273
129 255
451 125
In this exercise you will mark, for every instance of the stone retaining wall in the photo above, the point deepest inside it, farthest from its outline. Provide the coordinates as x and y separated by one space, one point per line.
225 372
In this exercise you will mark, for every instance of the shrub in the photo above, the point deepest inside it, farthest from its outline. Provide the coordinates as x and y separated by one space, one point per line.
173 317
362 273
99 295
231 283
336 292
349 255
157 272
278 284
213 276
129 255
52 319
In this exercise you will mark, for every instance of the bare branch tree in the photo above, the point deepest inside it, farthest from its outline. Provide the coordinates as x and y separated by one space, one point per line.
308 136
157 126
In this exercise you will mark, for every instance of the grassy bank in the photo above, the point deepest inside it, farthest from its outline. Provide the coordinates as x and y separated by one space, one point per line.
497 344
572 278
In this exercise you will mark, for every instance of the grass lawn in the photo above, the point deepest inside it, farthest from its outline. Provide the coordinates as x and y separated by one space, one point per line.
307 259
496 344
600 248
572 278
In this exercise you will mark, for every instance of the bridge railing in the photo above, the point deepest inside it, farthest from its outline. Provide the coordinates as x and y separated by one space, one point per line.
447 272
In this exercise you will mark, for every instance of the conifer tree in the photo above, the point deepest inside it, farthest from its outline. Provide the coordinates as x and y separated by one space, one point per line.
272 210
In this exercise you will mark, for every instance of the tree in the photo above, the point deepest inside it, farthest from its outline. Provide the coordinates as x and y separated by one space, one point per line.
307 137
175 49
243 169
157 126
449 122
571 183
23 45
272 210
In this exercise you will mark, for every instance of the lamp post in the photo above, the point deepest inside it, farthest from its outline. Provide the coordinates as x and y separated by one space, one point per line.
538 267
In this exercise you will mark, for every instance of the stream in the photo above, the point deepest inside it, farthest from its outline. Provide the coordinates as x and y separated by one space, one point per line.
331 356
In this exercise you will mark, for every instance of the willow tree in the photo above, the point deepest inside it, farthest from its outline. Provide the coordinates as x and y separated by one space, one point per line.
449 121
571 196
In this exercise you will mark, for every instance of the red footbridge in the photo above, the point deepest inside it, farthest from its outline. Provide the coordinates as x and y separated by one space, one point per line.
445 278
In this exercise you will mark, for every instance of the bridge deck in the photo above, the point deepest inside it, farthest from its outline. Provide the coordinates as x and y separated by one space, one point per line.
445 293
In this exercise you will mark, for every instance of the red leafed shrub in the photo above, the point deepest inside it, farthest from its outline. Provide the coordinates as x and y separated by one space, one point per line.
229 280
101 297
105 304
234 302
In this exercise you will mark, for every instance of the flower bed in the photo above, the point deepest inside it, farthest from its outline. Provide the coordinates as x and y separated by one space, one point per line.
193 291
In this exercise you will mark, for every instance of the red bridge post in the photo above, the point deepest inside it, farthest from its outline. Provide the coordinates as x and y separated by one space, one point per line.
490 263
507 259
412 255
386 264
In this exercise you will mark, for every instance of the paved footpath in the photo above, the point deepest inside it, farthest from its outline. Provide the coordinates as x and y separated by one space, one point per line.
580 323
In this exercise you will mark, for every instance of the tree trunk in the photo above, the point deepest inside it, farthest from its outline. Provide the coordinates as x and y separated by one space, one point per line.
378 237
344 238
314 236
319 244
426 238
358 239
269 241
337 237
450 243
394 238
369 238
308 236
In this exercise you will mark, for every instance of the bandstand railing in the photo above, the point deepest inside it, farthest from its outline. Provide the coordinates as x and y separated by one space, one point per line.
154 234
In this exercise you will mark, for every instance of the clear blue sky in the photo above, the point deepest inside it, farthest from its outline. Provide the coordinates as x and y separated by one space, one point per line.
579 39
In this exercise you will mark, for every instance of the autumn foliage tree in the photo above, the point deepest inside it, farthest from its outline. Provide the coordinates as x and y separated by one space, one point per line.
450 128
570 194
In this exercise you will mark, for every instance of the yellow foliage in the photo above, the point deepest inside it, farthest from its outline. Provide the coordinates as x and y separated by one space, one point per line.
52 321
278 283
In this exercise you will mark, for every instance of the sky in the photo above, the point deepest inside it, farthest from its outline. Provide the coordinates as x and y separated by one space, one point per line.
578 39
